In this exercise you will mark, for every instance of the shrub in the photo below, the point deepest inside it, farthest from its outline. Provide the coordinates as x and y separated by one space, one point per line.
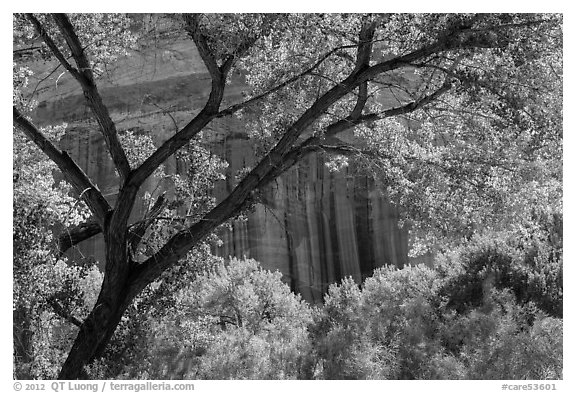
235 321
533 275
469 319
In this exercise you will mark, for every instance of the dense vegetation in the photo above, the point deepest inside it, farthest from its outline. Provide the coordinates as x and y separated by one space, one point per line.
488 311
459 119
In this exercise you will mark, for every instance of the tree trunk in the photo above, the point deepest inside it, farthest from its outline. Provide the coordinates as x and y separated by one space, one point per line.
98 328
94 334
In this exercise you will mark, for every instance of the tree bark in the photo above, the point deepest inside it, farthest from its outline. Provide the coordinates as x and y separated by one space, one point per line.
95 332
72 236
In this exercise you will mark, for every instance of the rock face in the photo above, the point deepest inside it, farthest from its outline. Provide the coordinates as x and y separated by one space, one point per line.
313 225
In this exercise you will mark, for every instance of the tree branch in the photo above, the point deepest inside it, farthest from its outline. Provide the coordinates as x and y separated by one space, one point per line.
20 52
206 54
72 236
52 45
317 143
139 229
240 51
217 73
361 101
365 42
211 108
127 194
236 107
363 56
85 77
417 104
71 171
170 146
61 312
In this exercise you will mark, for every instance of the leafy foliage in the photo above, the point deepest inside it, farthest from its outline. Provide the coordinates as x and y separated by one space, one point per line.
480 315
47 290
391 317
106 36
533 274
233 321
237 321
186 195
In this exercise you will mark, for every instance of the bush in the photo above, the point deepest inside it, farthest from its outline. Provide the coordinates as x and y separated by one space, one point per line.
235 321
533 275
485 312
380 331
488 312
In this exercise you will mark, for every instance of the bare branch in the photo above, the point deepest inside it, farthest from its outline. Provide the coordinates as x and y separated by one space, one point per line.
139 229
45 78
83 65
434 66
20 52
361 101
417 104
365 43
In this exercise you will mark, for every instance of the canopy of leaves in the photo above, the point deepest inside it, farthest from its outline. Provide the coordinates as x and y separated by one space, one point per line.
485 153
468 134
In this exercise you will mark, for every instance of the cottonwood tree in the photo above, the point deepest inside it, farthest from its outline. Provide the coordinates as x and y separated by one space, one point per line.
457 115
